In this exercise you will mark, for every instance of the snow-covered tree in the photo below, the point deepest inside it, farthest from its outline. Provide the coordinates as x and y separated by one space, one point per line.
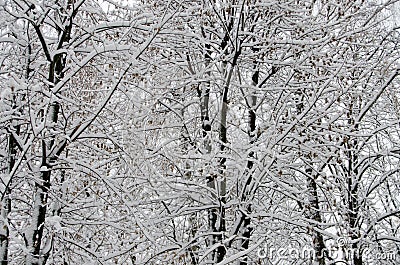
197 132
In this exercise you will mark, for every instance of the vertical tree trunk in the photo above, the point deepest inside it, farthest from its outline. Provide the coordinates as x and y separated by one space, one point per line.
315 215
4 234
6 202
247 230
204 96
57 64
352 184
35 235
313 211
221 189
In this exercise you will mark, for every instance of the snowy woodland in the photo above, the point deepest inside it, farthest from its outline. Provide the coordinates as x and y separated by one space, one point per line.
199 131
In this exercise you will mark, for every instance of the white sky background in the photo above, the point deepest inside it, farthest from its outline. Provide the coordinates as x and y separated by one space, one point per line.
396 14
108 6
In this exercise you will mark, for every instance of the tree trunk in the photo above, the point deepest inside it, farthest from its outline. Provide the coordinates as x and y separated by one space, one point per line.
204 96
352 185
315 215
35 235
247 230
313 211
6 202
